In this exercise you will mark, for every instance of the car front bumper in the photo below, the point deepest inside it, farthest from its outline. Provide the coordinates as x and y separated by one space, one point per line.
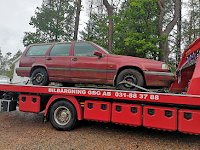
159 79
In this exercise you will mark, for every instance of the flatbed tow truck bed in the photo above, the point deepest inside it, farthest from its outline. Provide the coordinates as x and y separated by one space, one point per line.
163 111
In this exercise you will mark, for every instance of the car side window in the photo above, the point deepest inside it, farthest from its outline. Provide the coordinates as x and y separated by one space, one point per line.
84 49
60 50
38 50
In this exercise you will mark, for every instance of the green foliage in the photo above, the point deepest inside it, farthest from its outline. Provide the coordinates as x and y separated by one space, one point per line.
96 30
15 56
191 25
9 72
31 38
135 30
6 63
172 63
54 21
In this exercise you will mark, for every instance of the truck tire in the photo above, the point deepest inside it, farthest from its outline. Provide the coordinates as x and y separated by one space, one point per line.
40 77
130 75
63 115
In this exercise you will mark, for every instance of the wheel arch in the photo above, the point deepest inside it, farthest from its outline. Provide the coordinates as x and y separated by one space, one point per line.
36 67
129 67
71 99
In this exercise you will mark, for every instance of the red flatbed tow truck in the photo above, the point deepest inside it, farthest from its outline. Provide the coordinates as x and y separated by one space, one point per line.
176 109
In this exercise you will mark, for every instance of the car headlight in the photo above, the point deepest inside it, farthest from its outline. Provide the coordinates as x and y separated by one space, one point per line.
165 66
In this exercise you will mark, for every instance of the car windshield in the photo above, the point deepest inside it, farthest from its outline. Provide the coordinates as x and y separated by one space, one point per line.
104 49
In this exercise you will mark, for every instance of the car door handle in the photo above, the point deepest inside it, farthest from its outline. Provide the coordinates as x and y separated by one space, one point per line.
49 58
74 59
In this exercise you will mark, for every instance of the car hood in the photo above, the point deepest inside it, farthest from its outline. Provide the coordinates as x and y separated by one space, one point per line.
135 59
144 64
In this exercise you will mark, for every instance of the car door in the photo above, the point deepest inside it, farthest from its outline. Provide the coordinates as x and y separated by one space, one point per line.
58 61
85 65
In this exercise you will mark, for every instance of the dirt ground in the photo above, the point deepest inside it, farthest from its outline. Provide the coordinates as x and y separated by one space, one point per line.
20 130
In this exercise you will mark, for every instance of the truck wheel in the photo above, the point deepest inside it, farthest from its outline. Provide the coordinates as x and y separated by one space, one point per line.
63 115
130 75
40 77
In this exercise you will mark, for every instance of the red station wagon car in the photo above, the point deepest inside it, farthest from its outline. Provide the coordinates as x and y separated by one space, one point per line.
87 62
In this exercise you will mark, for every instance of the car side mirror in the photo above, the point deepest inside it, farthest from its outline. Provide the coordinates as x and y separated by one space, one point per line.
97 53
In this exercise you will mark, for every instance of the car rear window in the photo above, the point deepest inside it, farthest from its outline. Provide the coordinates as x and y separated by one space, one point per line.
38 50
60 50
84 49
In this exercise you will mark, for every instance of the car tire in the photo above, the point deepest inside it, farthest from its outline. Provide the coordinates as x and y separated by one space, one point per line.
40 77
130 75
63 115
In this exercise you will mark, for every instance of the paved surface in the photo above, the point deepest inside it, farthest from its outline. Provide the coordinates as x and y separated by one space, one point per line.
20 130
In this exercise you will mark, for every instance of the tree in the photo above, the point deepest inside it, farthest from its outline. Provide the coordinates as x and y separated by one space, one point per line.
77 19
54 21
141 28
135 32
110 16
10 71
96 29
6 63
165 26
178 41
16 55
191 24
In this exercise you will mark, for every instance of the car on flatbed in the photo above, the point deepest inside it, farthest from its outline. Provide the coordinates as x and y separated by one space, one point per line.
86 62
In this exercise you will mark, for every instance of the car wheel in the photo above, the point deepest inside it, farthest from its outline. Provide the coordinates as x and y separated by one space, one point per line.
40 77
130 75
66 84
63 115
